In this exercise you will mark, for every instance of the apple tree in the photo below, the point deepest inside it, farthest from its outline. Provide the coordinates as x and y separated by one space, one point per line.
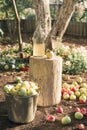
59 27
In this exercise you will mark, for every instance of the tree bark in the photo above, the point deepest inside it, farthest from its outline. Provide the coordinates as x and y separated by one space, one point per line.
62 22
18 27
43 15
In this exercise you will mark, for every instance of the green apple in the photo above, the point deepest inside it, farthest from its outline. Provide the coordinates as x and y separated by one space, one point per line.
14 91
82 97
72 86
82 90
17 79
77 93
75 83
78 115
34 92
83 85
66 96
8 87
23 91
66 120
79 79
18 86
33 85
66 85
29 92
72 97
26 84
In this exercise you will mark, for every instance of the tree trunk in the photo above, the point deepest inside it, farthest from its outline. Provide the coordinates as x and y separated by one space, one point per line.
62 22
18 27
43 15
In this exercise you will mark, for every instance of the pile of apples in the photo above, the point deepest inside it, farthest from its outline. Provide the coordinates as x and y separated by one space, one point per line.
77 90
21 88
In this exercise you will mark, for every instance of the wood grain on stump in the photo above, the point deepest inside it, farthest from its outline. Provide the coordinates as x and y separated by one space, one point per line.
48 74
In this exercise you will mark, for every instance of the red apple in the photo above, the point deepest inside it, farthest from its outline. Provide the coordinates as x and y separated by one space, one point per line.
70 92
77 109
82 99
83 111
51 118
81 127
60 109
64 90
86 114
74 89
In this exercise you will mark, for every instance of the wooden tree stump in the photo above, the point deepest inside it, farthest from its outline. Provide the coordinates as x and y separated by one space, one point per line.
48 74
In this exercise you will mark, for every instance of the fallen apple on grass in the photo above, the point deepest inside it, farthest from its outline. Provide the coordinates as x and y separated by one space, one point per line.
77 109
51 118
84 85
63 90
66 86
70 92
66 96
59 109
78 115
74 89
81 126
82 90
77 93
84 111
66 120
72 97
82 99
79 80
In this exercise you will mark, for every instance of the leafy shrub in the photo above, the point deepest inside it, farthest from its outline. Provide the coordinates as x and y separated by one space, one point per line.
10 60
74 59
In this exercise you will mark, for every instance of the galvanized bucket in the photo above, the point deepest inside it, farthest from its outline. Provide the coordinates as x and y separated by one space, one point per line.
21 109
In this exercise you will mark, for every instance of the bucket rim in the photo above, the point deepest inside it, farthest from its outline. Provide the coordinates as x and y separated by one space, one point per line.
17 96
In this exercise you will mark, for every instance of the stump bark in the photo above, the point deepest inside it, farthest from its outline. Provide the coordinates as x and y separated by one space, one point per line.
48 74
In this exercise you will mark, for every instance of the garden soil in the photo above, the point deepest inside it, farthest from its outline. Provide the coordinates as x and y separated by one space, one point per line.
40 122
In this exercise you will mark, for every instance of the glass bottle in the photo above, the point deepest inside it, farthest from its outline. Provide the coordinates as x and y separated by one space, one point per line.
38 42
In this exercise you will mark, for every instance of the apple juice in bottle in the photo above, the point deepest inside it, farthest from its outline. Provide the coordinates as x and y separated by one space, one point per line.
38 42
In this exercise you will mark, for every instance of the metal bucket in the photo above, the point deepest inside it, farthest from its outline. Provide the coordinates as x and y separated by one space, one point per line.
21 109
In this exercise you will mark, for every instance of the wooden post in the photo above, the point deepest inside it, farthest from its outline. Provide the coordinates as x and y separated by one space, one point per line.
48 74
